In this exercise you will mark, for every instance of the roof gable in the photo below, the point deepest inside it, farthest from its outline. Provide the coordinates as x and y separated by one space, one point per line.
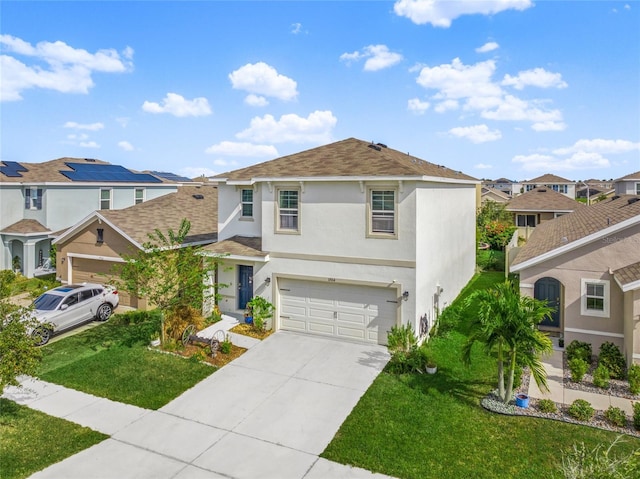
630 177
548 178
543 199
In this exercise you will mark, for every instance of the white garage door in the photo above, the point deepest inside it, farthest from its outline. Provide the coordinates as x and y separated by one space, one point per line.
359 313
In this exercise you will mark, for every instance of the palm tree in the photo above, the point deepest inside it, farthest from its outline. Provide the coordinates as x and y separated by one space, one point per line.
506 324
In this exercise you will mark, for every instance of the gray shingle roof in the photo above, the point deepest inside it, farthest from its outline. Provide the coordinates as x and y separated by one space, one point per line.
548 179
543 199
630 177
346 158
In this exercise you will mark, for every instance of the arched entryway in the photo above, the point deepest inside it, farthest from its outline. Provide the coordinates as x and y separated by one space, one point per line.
550 290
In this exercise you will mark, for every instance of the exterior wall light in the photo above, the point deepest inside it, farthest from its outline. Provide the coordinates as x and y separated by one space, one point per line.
405 295
267 280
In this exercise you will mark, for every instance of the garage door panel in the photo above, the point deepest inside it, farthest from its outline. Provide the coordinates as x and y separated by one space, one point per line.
352 318
325 329
351 333
320 314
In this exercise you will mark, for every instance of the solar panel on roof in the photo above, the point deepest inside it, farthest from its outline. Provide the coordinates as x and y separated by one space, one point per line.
12 169
170 176
106 173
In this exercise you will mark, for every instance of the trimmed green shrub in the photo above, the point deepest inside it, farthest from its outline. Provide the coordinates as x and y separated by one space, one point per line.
634 379
581 410
578 368
547 405
611 357
579 349
225 346
636 415
601 377
616 416
449 319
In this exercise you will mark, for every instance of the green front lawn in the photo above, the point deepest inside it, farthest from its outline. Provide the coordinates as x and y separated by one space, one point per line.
432 426
112 361
31 440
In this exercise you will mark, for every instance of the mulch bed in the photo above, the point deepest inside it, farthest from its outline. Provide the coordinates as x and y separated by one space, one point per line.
190 350
249 330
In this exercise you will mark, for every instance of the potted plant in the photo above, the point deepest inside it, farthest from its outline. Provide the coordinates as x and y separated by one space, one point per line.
262 312
17 264
561 342
522 400
155 340
431 367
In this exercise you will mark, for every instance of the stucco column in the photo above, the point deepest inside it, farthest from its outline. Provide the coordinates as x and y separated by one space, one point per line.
29 258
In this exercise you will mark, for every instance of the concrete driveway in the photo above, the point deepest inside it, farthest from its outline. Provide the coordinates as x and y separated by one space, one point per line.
268 415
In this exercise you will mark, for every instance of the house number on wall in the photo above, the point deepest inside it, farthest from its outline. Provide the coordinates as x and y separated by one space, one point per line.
331 280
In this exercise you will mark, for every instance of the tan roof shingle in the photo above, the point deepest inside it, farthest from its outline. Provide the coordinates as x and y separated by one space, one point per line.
543 199
548 179
238 246
24 227
628 274
630 177
346 158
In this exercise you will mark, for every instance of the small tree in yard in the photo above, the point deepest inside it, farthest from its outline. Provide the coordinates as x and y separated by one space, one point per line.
18 352
170 276
506 325
495 224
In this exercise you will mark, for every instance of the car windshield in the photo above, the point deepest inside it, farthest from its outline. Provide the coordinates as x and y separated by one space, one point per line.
47 302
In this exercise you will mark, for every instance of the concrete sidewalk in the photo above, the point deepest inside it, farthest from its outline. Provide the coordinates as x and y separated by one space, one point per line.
267 414
559 394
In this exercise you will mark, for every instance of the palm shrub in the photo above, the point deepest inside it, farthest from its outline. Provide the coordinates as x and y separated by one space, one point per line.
547 405
611 357
601 377
634 379
616 416
579 349
505 324
636 415
578 368
401 341
581 410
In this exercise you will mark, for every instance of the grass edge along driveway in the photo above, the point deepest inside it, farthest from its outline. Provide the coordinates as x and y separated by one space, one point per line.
432 426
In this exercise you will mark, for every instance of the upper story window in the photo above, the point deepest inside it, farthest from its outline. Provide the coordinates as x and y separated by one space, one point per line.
33 198
247 203
637 188
105 199
382 212
100 235
526 220
139 196
560 188
595 297
288 214
530 187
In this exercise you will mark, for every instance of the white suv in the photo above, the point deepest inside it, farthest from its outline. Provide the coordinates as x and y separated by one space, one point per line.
68 306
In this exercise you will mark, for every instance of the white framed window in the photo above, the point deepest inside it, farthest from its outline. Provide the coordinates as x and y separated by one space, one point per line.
526 220
105 199
139 196
637 188
594 297
247 203
560 188
288 210
382 216
32 198
530 187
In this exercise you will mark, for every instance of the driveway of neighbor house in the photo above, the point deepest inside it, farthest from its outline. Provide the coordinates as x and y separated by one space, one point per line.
267 414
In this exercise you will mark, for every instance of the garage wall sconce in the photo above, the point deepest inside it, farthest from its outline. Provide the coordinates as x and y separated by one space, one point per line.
267 280
405 295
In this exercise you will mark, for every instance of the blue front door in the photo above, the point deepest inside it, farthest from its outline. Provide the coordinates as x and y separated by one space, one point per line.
245 285
548 289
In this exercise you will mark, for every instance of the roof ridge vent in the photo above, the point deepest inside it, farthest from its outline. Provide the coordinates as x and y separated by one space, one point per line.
375 147
615 197
198 197
541 190
382 145
631 201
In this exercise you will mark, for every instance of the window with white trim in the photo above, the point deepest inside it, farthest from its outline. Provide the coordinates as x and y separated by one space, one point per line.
382 218
247 203
139 196
595 297
105 199
288 215
526 220
560 188
637 188
32 198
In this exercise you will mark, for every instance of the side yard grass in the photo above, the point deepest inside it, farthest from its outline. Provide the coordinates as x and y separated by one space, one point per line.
31 440
432 426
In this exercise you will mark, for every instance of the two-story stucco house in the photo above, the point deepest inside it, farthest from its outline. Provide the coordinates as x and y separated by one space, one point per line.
628 185
37 200
347 239
552 182
586 264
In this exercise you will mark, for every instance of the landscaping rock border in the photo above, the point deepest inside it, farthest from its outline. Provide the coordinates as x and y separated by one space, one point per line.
616 387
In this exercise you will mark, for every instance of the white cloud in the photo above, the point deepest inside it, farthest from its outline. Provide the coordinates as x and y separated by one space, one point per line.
66 69
456 80
578 161
316 128
177 105
512 108
296 28
417 106
262 79
225 163
447 105
599 145
537 77
126 146
476 133
440 13
89 144
78 137
378 57
87 126
487 47
549 126
256 100
123 121
196 172
234 148
482 166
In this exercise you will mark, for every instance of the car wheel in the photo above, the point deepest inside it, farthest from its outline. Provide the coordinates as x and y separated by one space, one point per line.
41 335
104 312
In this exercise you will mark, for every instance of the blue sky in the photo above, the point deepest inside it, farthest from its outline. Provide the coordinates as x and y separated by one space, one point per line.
512 88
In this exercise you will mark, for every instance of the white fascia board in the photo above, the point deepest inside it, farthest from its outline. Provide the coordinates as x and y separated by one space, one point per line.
88 220
236 257
95 184
577 244
432 179
629 286
115 259
517 210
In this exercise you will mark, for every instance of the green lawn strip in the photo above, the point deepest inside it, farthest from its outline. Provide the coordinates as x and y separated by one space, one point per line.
132 375
432 426
31 440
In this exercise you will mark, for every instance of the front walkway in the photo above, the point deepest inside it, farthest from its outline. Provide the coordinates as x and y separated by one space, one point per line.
559 394
267 414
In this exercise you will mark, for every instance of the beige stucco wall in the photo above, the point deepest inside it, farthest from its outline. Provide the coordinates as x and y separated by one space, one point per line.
594 261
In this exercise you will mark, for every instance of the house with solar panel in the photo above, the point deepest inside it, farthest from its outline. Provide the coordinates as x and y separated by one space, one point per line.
38 200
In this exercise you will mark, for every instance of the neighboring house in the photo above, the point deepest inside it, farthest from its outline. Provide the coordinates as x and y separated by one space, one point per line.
628 185
347 239
587 266
39 199
549 181
89 250
497 196
501 184
537 206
